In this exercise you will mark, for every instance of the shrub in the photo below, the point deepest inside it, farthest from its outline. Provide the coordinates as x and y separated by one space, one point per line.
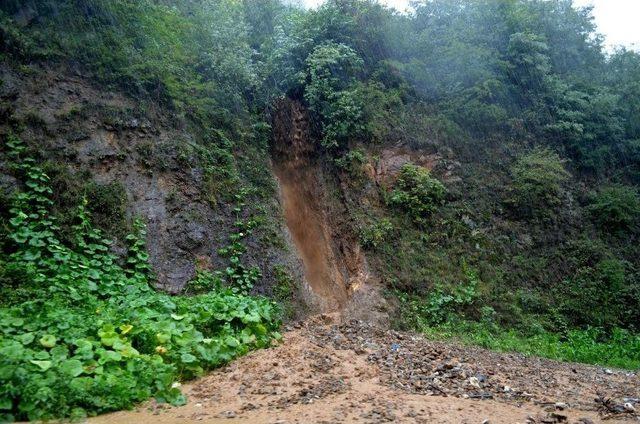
284 290
373 235
107 203
440 305
417 192
330 76
204 282
383 111
352 162
537 183
599 295
616 207
284 283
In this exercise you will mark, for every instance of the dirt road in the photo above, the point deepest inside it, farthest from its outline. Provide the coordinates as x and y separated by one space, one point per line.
326 372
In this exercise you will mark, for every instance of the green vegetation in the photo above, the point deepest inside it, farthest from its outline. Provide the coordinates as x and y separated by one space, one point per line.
448 312
616 208
537 183
373 235
525 235
600 295
82 334
440 305
618 348
332 69
417 192
283 290
240 278
148 47
353 162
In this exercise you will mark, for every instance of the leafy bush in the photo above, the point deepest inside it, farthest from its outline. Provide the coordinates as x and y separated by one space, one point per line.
285 284
91 336
373 235
616 207
600 295
240 278
107 204
440 305
330 76
417 192
283 290
383 111
353 162
537 183
204 282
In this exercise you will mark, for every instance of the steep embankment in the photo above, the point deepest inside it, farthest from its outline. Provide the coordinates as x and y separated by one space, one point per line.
335 268
355 372
302 199
133 159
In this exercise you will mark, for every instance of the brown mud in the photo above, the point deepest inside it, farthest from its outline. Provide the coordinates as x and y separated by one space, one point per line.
331 372
332 270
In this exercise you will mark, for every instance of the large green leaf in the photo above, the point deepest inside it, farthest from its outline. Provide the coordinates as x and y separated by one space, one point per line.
44 365
48 340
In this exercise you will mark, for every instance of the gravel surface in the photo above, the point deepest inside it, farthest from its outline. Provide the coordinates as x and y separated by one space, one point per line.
411 363
327 371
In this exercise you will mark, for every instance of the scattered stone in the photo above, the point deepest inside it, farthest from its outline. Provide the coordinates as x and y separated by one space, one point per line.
473 381
418 366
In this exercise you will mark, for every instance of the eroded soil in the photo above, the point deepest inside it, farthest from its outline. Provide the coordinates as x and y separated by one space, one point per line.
333 264
331 372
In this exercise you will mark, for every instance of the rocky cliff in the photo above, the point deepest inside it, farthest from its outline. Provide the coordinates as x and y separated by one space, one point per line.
138 160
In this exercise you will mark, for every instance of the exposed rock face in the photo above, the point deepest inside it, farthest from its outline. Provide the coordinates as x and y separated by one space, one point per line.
105 138
392 160
105 134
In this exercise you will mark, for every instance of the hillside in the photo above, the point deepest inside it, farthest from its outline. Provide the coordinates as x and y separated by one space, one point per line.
179 178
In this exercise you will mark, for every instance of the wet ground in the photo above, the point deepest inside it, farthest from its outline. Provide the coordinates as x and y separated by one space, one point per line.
327 372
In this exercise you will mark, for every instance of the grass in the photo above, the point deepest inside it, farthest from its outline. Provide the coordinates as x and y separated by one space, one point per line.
617 348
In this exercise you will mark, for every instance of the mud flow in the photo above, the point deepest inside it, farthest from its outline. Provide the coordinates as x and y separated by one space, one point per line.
302 200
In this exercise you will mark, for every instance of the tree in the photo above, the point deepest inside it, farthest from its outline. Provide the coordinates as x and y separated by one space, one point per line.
616 207
417 192
537 183
331 73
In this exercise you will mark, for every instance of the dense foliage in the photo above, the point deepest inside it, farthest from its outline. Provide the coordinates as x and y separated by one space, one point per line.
536 135
417 192
82 334
537 183
616 208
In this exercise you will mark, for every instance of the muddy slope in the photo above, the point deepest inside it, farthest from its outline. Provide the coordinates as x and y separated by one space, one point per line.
334 266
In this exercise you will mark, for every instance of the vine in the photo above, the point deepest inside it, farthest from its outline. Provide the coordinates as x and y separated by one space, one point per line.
89 335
